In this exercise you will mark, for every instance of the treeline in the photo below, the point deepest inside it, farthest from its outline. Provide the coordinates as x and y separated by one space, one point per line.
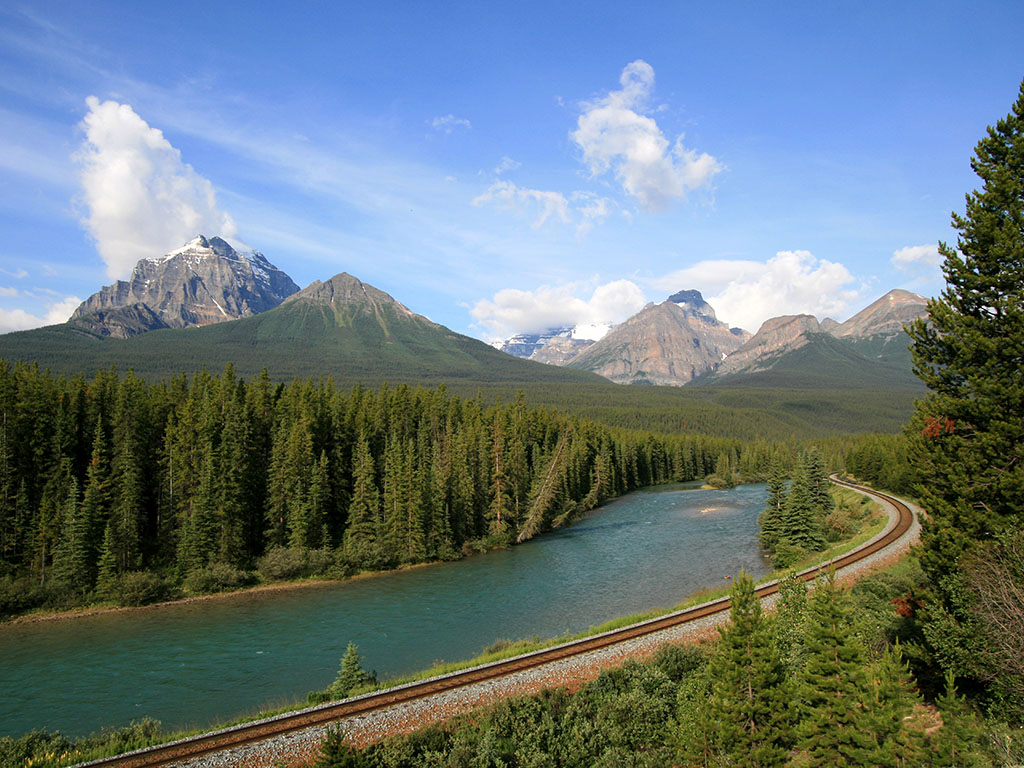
120 489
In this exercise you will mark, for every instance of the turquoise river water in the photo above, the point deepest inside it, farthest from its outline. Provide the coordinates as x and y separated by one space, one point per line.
195 664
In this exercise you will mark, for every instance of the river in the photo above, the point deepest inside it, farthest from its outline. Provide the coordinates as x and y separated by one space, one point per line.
196 664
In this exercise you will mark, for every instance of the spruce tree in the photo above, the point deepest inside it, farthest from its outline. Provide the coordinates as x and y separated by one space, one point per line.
351 675
957 743
834 727
967 434
361 544
771 518
749 706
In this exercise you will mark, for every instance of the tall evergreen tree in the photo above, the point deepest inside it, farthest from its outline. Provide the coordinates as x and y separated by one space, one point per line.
770 519
834 729
967 435
361 544
749 706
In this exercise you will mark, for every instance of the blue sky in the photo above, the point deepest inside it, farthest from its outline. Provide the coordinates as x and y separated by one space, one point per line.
500 167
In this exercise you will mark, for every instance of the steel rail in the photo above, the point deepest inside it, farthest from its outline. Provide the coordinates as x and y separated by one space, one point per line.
170 754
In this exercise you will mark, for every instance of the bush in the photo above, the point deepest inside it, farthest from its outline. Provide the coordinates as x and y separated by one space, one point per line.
284 563
140 588
786 554
215 577
678 661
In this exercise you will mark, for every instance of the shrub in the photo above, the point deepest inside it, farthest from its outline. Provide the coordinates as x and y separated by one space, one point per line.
786 554
283 563
678 661
140 588
215 577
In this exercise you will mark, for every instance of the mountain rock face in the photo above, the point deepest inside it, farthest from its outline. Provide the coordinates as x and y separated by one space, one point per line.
774 337
885 317
204 282
668 343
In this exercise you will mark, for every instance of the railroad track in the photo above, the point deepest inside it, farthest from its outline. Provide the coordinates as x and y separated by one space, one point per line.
171 754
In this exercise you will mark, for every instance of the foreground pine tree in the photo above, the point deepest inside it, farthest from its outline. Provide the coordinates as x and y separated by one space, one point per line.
967 435
749 707
834 726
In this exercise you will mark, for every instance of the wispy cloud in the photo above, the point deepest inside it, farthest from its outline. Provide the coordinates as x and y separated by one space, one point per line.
507 164
18 274
539 204
448 123
747 292
142 200
512 311
615 135
915 257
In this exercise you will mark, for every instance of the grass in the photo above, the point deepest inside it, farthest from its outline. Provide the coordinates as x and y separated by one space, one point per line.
500 650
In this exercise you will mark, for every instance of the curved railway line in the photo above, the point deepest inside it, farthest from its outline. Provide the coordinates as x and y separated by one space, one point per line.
174 753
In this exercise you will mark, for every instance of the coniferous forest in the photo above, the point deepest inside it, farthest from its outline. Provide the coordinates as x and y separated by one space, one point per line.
120 490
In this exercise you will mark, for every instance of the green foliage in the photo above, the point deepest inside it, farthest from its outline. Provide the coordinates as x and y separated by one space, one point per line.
283 563
216 577
140 588
793 521
833 725
50 750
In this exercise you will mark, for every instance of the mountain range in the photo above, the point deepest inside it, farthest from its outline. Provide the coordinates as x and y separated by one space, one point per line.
680 341
209 304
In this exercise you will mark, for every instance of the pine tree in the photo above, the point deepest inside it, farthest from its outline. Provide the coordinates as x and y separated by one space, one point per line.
351 675
76 556
771 518
967 434
749 707
834 729
957 743
361 544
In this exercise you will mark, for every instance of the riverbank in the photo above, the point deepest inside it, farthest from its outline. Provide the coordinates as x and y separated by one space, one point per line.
97 609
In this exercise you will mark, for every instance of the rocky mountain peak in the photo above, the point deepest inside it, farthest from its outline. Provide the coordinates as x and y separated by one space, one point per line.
205 281
776 335
669 343
693 303
884 317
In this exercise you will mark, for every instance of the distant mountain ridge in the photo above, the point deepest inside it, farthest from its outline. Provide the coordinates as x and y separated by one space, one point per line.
205 281
681 340
795 350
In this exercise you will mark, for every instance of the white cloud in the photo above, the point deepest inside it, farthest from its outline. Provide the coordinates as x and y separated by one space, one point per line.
592 209
513 311
60 312
526 201
9 293
506 164
615 135
142 199
18 273
914 257
746 293
449 123
20 320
